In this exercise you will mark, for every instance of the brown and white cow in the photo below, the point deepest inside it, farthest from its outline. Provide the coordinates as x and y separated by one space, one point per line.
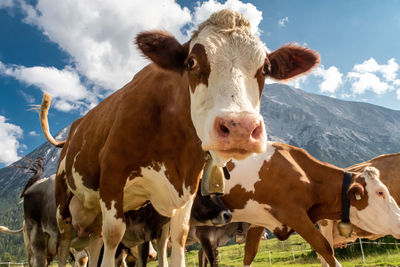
287 190
147 141
389 168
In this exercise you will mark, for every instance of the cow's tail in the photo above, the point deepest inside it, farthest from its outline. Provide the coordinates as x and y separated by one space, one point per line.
11 232
44 109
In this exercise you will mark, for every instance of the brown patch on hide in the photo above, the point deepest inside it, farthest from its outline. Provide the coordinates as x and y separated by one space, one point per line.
358 187
201 71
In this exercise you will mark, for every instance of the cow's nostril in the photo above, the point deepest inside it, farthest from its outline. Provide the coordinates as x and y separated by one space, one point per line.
256 134
224 129
227 216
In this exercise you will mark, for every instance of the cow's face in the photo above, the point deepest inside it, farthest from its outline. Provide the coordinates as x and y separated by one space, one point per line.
373 209
209 210
226 67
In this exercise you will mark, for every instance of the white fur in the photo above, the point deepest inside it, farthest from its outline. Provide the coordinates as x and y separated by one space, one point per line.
154 186
88 197
258 214
382 215
246 172
179 224
113 227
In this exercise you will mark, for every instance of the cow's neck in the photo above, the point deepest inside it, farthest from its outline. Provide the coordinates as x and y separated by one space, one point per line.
173 140
326 181
328 192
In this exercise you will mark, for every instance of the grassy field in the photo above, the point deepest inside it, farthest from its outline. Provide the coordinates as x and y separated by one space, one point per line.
293 252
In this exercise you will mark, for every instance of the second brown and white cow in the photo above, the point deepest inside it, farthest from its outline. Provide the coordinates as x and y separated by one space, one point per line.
287 190
147 141
389 169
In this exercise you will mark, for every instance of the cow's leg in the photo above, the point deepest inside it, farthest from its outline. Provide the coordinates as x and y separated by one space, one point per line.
38 247
179 231
27 242
202 258
63 216
162 246
93 251
252 242
208 248
326 228
143 254
113 225
304 227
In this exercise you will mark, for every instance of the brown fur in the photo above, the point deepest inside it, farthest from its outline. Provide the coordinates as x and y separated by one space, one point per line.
291 60
200 72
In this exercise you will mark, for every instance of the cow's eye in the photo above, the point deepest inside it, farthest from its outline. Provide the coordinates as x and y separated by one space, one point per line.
266 69
191 63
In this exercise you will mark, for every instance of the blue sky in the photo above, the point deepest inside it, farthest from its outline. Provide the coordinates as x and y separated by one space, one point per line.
81 51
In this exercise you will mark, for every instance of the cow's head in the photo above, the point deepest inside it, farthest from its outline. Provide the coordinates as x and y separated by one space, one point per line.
209 210
372 207
226 67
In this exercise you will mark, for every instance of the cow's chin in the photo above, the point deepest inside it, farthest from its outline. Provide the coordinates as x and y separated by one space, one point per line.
221 157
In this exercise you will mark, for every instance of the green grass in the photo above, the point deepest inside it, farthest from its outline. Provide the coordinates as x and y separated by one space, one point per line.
282 255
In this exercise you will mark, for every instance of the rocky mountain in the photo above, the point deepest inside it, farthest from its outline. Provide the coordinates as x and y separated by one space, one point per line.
335 131
339 132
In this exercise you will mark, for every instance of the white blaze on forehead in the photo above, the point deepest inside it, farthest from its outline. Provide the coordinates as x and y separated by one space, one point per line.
234 56
246 172
154 185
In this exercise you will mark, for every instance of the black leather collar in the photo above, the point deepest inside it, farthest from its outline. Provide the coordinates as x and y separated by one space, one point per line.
345 200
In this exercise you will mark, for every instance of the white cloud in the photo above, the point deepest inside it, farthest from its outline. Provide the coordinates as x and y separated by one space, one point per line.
371 76
282 22
331 78
6 3
398 94
33 133
389 70
63 85
362 82
204 10
98 36
9 144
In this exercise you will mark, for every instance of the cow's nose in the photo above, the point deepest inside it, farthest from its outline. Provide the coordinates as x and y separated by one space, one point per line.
225 216
239 127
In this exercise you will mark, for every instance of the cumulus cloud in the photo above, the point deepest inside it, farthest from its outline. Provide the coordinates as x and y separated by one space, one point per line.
331 79
63 85
204 10
389 70
283 21
362 82
6 3
33 133
374 77
98 36
9 144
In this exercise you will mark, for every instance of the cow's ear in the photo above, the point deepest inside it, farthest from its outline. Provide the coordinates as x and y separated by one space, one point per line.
291 60
163 49
355 193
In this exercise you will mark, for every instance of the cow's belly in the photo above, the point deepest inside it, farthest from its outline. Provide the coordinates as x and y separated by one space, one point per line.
89 197
258 214
154 186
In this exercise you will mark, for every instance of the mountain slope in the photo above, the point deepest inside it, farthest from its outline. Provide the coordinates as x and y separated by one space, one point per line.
335 131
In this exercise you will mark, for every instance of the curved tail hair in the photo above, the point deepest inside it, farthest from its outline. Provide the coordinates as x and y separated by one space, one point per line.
44 110
11 232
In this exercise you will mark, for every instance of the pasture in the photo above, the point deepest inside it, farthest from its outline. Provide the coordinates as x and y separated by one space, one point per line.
296 252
